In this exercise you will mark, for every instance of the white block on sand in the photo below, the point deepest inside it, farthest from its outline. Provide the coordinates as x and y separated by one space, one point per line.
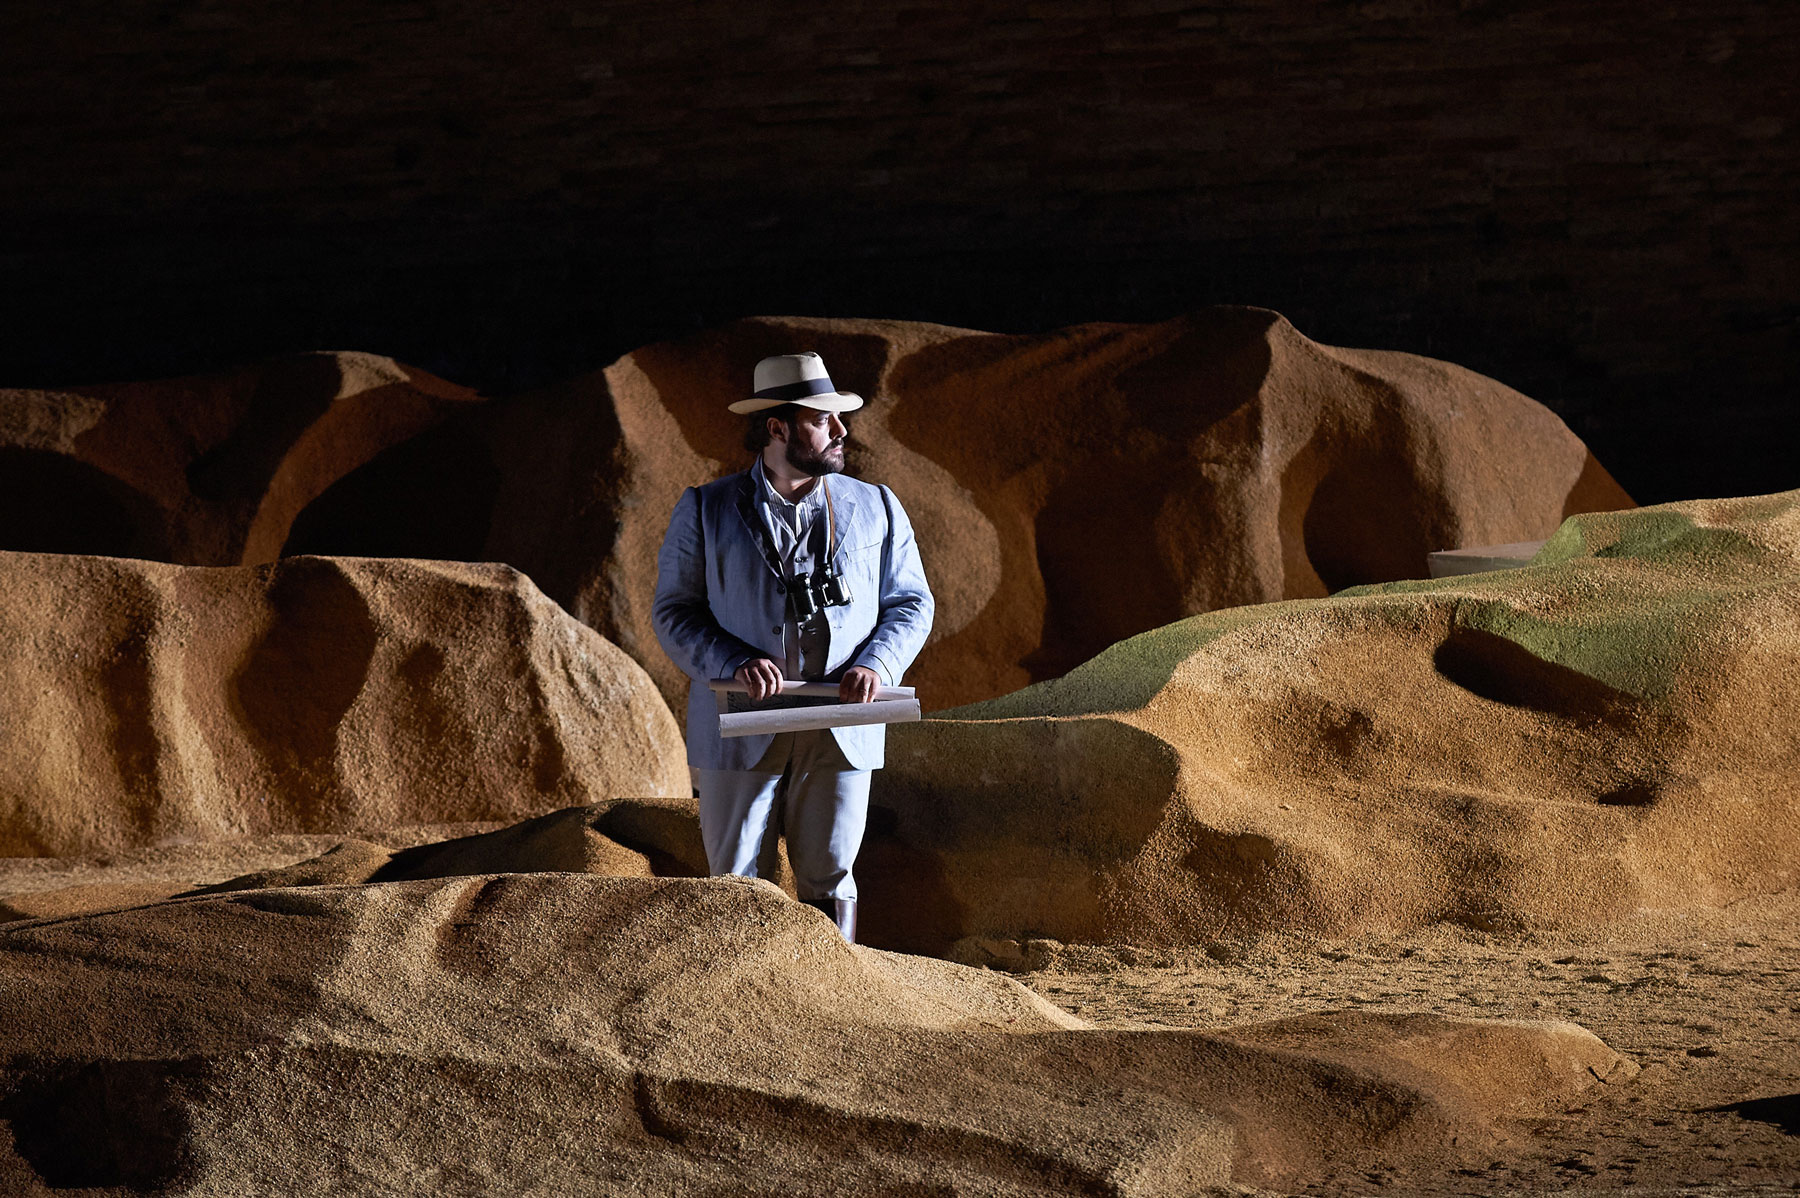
1479 559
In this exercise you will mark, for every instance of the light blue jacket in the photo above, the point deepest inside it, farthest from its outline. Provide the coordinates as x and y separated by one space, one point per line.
719 604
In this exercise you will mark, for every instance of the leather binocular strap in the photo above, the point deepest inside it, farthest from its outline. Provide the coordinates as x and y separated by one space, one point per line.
833 543
758 530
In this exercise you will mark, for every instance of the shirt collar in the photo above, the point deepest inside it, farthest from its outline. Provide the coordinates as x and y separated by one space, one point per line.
771 496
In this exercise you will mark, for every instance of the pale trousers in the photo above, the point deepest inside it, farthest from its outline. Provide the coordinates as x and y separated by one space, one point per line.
802 787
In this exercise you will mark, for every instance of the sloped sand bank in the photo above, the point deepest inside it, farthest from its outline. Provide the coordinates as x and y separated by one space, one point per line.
579 1033
145 704
1605 730
1704 1000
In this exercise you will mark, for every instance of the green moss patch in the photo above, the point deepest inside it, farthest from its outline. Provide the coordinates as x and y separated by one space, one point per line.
1624 599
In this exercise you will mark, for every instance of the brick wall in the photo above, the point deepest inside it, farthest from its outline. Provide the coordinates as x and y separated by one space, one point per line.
1594 202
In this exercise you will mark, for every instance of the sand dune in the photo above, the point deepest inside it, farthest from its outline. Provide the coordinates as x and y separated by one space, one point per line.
1567 743
562 1032
148 704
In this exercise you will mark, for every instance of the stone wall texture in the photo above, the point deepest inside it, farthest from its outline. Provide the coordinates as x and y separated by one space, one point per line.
1593 203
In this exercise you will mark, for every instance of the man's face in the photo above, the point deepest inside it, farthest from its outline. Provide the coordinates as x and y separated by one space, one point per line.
815 443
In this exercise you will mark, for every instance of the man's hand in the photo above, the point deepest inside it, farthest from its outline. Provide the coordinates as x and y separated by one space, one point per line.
858 685
762 677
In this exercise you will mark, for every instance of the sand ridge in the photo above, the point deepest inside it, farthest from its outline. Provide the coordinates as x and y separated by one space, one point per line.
1549 746
677 1034
1701 999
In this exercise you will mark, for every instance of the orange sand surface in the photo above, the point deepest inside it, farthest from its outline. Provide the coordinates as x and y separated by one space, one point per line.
1699 1003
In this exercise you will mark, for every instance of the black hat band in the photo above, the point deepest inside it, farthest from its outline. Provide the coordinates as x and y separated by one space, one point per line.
788 392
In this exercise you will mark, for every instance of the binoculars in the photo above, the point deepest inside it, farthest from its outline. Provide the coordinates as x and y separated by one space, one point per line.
815 589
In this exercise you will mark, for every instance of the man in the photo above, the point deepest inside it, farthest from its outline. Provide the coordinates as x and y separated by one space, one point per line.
790 570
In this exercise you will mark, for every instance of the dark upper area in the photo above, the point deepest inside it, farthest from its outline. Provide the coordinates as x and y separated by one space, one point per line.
1592 202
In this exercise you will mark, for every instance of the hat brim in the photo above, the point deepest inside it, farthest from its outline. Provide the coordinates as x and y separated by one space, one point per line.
831 401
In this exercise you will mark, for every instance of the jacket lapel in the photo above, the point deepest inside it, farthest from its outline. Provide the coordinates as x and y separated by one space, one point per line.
844 508
753 527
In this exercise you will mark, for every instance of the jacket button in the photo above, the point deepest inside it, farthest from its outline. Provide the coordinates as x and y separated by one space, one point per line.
777 628
780 589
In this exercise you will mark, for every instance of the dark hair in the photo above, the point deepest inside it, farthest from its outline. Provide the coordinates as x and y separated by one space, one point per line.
756 433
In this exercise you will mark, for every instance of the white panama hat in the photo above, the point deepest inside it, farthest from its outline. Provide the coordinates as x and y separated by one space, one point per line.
795 378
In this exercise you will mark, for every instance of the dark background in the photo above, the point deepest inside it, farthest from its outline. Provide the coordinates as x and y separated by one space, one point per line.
1593 202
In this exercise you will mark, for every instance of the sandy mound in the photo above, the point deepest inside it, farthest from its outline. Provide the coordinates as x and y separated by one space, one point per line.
1701 1000
566 1033
1074 488
1602 731
213 470
143 703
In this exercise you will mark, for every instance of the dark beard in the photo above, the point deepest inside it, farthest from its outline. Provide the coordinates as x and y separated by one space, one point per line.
815 464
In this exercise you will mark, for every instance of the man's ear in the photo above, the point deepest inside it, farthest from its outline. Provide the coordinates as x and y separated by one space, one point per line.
778 429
